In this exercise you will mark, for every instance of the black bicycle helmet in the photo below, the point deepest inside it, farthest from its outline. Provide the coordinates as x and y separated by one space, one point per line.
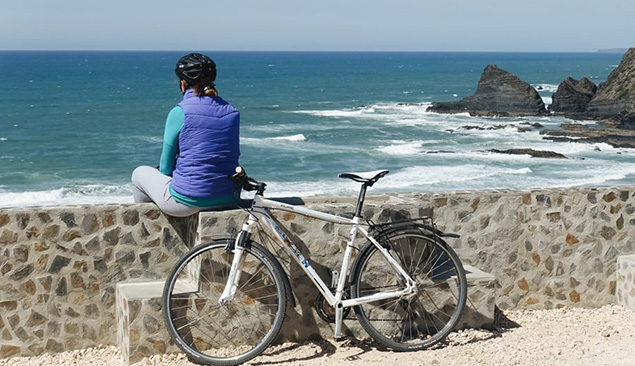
194 66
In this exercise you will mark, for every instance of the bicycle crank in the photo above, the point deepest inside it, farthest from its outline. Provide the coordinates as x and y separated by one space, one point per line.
326 311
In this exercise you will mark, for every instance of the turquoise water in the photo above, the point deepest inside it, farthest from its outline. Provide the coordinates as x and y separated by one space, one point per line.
73 125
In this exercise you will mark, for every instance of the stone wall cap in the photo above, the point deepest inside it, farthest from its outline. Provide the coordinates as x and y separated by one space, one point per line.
351 199
141 290
476 274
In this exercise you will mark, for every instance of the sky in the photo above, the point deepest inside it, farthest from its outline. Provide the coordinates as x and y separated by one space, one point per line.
326 25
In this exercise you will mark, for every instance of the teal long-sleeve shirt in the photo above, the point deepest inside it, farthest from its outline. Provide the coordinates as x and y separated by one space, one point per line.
173 126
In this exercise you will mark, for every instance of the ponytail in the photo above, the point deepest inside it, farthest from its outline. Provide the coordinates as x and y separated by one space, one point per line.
210 91
205 87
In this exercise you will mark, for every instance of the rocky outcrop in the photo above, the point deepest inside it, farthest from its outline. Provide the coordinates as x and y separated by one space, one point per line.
499 93
626 121
573 96
617 94
611 133
531 152
613 105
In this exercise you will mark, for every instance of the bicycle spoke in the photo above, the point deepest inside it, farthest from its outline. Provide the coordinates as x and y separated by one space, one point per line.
247 323
227 338
414 321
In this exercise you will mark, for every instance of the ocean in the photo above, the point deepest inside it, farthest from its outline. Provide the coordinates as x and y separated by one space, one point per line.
74 125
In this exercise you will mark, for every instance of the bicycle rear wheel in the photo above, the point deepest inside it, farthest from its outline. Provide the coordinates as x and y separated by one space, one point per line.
421 320
232 333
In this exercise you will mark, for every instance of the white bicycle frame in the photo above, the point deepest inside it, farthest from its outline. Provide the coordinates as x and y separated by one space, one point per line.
259 213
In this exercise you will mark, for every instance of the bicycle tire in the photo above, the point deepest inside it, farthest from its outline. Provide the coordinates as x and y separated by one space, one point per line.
233 333
422 320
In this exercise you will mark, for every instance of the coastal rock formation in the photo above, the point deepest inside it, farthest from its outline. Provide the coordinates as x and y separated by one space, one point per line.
573 96
499 93
613 105
520 127
617 94
626 121
531 152
612 133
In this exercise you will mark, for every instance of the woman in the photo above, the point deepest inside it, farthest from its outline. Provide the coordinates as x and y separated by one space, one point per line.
200 147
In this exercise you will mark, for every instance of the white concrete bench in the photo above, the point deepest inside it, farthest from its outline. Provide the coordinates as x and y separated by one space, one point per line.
141 330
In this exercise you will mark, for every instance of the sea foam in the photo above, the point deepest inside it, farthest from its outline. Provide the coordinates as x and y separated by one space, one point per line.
78 195
402 148
298 137
546 88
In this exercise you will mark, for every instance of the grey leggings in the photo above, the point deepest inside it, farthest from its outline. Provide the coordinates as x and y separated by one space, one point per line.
149 185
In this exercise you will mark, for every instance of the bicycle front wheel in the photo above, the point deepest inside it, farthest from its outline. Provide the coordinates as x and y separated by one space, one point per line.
231 333
416 321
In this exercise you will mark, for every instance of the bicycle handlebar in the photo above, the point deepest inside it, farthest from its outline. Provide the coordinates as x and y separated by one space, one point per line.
245 182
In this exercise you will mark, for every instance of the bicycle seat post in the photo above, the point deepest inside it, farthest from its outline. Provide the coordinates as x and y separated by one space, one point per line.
367 179
360 200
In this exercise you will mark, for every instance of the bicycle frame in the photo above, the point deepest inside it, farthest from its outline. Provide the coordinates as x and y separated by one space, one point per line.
259 213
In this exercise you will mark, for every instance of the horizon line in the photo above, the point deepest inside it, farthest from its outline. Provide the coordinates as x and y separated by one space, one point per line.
603 50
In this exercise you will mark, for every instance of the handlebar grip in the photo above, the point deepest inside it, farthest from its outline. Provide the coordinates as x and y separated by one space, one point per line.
240 174
243 181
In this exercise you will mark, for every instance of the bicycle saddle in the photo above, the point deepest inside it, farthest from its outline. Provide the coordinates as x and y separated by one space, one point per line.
367 178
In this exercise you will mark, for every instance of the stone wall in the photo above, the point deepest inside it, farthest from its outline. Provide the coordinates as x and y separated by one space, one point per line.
59 266
546 248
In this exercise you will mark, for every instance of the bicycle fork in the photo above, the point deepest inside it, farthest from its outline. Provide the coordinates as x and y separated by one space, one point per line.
237 263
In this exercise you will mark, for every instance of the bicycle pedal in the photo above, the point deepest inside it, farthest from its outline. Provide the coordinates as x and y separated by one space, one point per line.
340 339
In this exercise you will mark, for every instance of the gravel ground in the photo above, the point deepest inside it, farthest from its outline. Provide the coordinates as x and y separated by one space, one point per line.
568 336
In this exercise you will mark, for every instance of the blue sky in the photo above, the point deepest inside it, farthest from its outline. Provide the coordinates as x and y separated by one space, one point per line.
334 25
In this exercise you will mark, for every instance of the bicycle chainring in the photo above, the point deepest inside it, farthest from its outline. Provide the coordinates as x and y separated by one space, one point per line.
326 311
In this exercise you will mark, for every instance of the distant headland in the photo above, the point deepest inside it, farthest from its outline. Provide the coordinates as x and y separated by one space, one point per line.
612 50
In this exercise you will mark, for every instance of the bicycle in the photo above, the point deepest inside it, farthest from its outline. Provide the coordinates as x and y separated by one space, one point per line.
225 300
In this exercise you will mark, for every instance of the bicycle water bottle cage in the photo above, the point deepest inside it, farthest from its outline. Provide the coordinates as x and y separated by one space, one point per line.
367 178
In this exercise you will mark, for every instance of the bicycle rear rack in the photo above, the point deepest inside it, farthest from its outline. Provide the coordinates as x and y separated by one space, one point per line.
424 222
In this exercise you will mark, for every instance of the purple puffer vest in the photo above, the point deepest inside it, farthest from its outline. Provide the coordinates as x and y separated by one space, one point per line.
208 148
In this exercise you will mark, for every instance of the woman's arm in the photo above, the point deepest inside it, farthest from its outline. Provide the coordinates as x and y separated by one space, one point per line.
173 125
